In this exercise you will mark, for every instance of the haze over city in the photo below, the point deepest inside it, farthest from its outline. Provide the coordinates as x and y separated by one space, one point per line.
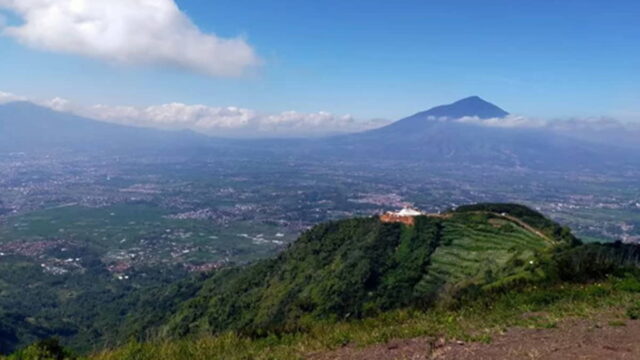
322 180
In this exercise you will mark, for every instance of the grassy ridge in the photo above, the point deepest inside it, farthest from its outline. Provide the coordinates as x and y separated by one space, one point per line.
473 320
362 267
526 215
481 253
362 281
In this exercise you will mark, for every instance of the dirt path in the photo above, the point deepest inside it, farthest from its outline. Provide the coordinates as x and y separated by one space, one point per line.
504 216
572 339
526 226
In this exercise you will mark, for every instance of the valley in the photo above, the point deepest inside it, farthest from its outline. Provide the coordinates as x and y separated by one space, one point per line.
305 180
98 239
530 286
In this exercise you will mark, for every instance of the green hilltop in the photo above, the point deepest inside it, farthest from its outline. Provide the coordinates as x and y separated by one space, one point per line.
366 281
362 267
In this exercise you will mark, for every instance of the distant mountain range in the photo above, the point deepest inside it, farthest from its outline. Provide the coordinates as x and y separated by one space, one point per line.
26 127
437 135
440 135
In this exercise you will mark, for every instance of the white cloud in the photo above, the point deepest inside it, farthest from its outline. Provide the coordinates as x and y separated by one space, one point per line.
174 115
128 32
594 129
509 121
58 104
561 125
591 124
230 121
9 97
243 122
217 121
323 122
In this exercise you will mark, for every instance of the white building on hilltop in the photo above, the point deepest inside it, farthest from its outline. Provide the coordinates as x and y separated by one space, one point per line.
406 216
407 212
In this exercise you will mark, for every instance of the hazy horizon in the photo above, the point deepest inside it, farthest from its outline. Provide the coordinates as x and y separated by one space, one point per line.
304 179
277 69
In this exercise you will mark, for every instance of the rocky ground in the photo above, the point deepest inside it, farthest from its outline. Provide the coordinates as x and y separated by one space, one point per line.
604 338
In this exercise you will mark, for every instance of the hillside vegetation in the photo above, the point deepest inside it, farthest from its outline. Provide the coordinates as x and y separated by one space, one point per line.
463 274
359 268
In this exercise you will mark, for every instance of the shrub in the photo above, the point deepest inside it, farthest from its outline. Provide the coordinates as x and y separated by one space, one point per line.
629 283
49 349
633 312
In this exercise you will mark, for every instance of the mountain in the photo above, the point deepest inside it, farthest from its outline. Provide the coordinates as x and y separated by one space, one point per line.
435 136
472 106
358 268
440 136
25 126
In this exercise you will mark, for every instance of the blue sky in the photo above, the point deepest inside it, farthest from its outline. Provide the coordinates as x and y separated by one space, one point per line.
374 59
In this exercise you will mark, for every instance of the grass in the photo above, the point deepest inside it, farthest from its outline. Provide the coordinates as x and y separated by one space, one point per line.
633 311
476 252
536 307
617 323
506 248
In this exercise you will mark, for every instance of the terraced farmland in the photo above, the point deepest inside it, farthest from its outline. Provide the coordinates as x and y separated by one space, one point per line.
479 251
361 267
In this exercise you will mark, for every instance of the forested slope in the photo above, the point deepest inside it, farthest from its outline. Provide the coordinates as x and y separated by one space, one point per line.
362 267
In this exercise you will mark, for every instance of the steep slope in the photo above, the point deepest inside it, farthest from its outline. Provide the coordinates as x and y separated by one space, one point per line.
438 136
503 265
25 126
473 106
361 267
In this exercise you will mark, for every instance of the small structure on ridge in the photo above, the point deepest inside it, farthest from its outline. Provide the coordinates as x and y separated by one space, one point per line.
405 216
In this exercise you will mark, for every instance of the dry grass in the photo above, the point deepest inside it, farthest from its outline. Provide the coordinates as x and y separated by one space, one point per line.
476 321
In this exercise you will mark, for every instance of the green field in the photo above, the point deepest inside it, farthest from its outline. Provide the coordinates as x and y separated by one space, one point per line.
142 227
478 251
